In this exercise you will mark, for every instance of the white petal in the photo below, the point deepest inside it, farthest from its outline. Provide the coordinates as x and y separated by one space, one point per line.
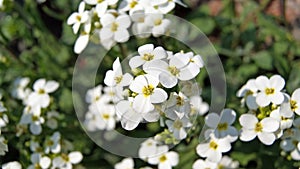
142 104
158 96
228 116
126 80
266 138
212 120
123 21
277 82
173 158
101 8
138 84
269 124
248 121
262 99
75 157
247 135
81 42
148 48
152 80
105 33
109 79
45 162
262 82
35 129
136 62
277 98
39 84
159 53
51 86
189 72
121 35
251 102
167 80
107 19
179 60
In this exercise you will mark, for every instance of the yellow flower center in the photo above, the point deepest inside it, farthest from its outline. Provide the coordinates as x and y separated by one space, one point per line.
78 18
179 101
41 91
148 56
34 118
162 159
100 1
118 79
269 91
258 127
133 4
177 124
294 105
49 143
105 116
157 22
213 145
37 166
173 70
114 27
222 126
148 90
65 157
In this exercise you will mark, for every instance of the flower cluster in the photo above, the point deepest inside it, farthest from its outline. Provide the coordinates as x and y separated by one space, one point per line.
152 152
141 96
271 113
47 151
3 123
111 20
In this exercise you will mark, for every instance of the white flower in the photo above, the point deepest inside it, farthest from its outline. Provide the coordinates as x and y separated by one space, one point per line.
94 95
3 146
66 160
221 125
190 88
116 77
178 127
159 25
101 6
52 144
204 164
126 163
179 67
78 18
263 129
104 115
292 144
295 101
249 93
40 95
130 118
169 5
177 106
147 53
34 119
227 163
270 90
40 161
284 118
114 28
214 148
3 117
83 39
198 106
19 87
164 159
139 27
147 149
147 93
130 5
113 94
12 165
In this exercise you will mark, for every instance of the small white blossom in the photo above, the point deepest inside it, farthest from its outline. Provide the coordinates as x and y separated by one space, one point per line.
3 146
221 124
295 101
249 93
12 165
204 164
116 77
160 26
147 93
66 160
214 148
39 97
270 90
263 129
126 163
78 18
164 159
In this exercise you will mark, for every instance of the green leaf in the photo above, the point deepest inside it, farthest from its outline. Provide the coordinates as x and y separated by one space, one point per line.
263 60
205 24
